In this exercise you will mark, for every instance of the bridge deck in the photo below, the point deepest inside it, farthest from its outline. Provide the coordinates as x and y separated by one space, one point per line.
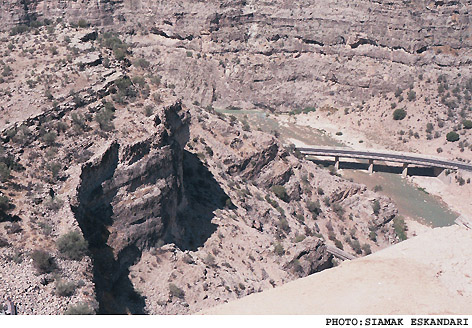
386 156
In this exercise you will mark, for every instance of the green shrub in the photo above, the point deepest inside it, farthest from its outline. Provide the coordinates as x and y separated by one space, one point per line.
338 209
82 23
49 138
78 121
399 114
314 208
356 246
299 238
373 236
65 288
72 245
4 242
283 225
280 192
452 136
411 95
467 124
338 244
4 203
210 260
4 172
398 92
43 262
279 249
400 228
376 207
104 119
176 291
148 110
366 249
79 309
141 62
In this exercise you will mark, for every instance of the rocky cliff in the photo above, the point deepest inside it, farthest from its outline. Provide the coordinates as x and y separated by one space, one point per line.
281 55
180 212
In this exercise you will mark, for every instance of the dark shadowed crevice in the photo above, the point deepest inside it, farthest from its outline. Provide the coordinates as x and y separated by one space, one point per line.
115 292
204 195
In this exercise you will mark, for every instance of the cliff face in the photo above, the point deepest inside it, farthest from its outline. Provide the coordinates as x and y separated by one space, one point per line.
135 190
127 200
311 53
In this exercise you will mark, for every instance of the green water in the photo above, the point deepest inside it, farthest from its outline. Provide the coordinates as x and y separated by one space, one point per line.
410 201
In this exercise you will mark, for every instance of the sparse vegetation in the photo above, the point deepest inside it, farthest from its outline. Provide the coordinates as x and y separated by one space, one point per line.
399 114
79 309
400 228
65 288
104 119
452 136
376 207
280 192
43 262
5 172
176 291
279 249
467 124
72 245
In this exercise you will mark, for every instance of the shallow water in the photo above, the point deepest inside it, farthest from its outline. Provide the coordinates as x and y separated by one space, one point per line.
411 201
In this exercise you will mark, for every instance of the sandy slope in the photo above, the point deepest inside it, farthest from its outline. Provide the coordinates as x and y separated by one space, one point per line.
428 274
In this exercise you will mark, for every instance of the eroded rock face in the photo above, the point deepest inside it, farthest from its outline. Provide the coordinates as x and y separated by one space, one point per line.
309 52
133 191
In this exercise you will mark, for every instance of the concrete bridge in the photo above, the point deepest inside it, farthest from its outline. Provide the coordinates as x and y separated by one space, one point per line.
405 159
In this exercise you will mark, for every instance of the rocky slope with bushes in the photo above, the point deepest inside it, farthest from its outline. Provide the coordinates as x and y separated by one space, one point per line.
119 195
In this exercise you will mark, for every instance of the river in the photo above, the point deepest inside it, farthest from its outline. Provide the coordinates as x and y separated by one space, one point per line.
411 201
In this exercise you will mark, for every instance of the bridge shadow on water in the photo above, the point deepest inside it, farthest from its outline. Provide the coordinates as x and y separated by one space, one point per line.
382 167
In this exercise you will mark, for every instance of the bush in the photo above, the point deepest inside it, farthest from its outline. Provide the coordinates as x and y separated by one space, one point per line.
65 288
452 136
356 246
366 249
411 95
467 124
378 188
210 260
338 209
4 172
148 110
104 119
49 138
279 249
283 225
314 208
376 207
4 242
176 291
398 92
79 309
141 62
400 228
4 203
280 192
399 114
72 245
42 261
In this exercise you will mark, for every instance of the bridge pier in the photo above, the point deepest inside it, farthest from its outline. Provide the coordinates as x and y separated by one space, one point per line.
336 162
437 171
371 166
405 170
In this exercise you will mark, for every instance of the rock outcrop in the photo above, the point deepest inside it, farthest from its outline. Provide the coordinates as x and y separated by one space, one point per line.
310 53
